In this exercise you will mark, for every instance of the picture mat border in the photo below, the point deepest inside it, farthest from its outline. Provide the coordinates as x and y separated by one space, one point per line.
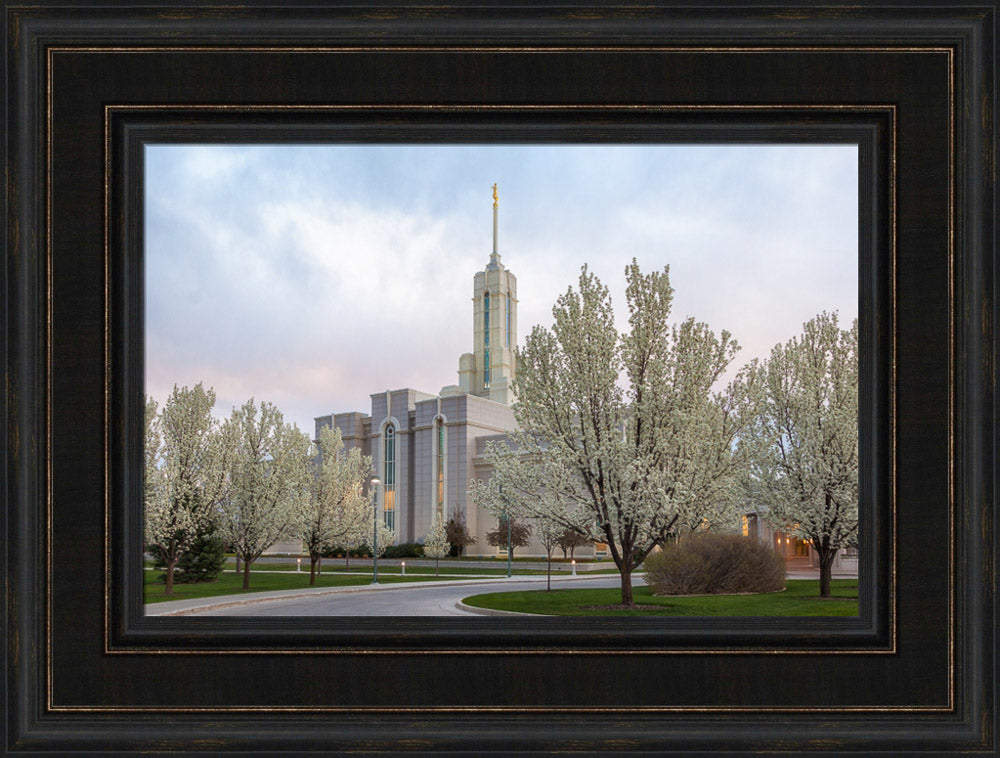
872 632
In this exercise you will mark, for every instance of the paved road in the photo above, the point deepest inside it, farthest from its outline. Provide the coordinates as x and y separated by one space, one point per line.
418 599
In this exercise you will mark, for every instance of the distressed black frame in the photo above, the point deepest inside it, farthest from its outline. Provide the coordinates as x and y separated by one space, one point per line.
86 85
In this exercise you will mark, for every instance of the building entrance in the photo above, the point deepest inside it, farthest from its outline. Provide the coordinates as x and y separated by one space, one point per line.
790 546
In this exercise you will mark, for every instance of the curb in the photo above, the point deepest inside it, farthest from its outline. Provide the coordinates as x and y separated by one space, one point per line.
492 612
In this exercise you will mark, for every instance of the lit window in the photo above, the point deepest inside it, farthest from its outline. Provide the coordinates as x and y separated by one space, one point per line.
486 338
508 319
389 480
440 468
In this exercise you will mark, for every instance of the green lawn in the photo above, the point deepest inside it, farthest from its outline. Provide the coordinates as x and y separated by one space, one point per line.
447 567
230 583
800 598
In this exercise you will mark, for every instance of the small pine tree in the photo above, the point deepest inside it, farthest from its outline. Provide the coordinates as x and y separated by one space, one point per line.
202 562
436 543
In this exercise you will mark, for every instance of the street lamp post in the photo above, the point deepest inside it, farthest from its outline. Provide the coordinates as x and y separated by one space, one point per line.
374 482
510 549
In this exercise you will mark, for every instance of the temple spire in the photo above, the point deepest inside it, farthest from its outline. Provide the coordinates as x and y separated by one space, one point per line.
494 264
495 201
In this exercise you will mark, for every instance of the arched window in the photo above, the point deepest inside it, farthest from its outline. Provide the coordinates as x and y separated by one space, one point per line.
486 339
389 476
440 464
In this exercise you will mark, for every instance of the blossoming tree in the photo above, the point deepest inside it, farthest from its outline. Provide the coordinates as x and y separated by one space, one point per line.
186 456
625 430
436 543
336 510
269 481
804 446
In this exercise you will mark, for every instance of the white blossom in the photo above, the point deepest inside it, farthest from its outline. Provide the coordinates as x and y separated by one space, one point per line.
805 444
185 473
386 536
336 510
436 543
269 481
623 431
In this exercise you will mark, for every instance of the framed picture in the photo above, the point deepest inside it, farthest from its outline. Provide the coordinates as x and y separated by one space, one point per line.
94 92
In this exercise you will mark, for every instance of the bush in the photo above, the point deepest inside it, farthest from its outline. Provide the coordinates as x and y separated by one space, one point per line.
339 551
406 550
711 564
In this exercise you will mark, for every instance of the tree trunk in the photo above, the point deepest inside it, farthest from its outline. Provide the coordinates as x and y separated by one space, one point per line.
825 571
313 560
246 575
626 573
347 559
169 581
548 574
437 567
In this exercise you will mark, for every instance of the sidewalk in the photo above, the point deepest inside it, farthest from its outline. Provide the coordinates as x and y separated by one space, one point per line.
798 567
559 566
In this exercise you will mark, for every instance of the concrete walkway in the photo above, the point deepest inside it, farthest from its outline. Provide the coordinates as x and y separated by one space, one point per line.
498 564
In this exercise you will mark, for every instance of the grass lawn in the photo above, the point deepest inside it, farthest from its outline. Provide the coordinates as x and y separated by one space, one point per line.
447 567
230 583
800 598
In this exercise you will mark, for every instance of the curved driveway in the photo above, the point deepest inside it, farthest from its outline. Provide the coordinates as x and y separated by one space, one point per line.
416 599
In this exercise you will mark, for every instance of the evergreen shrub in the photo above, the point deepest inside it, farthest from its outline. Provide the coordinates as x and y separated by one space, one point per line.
712 564
406 550
203 562
339 551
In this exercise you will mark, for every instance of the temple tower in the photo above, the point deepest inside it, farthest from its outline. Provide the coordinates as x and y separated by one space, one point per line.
489 370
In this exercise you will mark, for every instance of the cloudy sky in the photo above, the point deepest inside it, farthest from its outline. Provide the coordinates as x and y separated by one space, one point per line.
314 276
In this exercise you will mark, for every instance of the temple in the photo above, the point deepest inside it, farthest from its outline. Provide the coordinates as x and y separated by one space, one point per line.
425 447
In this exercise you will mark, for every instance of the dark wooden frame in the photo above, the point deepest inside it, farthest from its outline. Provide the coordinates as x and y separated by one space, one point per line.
86 85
